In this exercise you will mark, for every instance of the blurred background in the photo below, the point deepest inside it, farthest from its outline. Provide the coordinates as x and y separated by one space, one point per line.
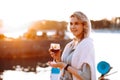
27 27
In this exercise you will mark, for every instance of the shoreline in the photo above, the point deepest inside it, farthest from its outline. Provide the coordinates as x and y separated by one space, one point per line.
105 31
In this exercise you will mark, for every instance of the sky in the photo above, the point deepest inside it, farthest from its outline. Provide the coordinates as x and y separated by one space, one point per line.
18 14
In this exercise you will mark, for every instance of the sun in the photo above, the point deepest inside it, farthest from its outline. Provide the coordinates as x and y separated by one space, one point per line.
13 29
14 35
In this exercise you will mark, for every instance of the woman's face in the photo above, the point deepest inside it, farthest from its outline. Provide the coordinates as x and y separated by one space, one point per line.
76 27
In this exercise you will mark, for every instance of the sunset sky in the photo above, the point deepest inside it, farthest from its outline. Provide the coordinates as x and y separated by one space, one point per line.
17 14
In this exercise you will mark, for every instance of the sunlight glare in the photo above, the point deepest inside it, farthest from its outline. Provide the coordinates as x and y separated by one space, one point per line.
14 15
13 35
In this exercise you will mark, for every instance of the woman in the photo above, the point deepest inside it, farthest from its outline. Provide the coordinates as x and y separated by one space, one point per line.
77 61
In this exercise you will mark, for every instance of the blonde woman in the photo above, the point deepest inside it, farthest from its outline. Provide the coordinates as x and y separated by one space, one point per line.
77 61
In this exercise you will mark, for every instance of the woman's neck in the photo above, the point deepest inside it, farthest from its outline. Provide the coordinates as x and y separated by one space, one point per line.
80 37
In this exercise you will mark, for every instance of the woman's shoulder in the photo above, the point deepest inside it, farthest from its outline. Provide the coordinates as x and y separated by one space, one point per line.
88 39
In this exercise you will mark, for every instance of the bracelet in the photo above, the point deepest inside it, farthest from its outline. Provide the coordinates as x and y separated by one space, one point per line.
66 67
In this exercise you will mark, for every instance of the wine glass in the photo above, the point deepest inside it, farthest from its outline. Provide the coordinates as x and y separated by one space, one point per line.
54 47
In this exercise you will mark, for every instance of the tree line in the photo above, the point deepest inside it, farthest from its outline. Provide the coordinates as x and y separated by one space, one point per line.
42 25
113 24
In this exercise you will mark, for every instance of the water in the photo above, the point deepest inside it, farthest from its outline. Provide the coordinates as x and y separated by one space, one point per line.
107 47
41 74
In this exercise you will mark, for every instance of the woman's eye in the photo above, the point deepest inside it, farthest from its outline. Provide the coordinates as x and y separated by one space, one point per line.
76 23
71 23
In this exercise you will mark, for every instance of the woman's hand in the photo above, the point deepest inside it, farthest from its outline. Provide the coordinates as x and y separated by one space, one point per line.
60 65
55 55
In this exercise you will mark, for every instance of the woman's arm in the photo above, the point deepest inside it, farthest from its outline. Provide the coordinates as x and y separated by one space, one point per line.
83 74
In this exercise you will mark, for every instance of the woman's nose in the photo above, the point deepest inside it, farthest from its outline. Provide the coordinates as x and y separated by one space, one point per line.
72 26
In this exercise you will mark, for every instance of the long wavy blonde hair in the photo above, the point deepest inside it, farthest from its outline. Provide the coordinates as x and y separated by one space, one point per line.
85 21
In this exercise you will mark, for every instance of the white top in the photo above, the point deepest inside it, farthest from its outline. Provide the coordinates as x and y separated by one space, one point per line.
83 54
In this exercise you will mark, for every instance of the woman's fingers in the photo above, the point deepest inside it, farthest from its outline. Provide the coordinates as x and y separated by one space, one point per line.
52 64
55 55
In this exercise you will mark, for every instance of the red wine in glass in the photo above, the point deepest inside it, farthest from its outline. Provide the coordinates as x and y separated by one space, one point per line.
54 47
